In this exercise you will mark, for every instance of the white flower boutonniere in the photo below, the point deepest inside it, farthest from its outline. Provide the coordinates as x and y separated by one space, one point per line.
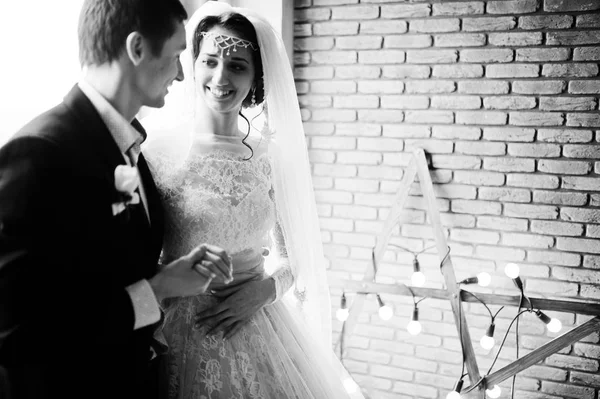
127 181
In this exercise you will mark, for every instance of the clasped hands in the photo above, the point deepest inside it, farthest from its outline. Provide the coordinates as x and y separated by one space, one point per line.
192 274
237 306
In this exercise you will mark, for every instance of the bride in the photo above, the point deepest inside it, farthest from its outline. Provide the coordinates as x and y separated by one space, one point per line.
256 337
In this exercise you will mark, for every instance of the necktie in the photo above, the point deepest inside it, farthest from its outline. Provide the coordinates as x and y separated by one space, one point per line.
133 153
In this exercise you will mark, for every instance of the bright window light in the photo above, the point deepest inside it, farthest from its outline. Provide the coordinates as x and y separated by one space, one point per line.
41 63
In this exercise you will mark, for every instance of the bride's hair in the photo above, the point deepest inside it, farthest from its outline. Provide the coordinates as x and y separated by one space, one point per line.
238 24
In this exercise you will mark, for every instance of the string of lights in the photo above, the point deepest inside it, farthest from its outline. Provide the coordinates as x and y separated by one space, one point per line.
504 339
488 383
487 341
417 278
414 327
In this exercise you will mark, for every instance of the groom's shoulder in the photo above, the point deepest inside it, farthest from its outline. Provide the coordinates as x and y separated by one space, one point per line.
49 125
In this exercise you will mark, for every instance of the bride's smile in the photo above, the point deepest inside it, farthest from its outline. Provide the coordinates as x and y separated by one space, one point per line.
219 93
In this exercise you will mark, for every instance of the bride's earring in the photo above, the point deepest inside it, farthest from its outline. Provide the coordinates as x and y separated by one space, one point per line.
253 99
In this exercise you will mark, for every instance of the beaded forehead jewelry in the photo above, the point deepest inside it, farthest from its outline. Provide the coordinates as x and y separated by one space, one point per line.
226 42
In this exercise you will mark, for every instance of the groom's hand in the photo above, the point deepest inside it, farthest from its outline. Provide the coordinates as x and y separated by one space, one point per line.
191 274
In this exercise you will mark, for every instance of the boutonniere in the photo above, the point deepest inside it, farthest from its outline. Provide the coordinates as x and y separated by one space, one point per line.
127 180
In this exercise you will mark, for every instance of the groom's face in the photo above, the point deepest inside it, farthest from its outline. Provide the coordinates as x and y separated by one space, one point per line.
160 71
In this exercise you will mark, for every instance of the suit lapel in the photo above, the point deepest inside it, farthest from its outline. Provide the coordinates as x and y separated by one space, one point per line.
101 144
101 147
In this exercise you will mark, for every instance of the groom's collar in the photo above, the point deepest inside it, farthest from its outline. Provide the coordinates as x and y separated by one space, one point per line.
124 133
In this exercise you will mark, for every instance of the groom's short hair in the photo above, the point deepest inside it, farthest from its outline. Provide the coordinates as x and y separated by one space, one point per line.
105 24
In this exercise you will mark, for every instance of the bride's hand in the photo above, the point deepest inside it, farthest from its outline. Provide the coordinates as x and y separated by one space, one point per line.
237 307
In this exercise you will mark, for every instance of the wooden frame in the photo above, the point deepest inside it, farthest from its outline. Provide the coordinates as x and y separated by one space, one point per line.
453 293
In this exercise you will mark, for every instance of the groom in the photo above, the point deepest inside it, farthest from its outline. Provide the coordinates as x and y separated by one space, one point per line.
81 222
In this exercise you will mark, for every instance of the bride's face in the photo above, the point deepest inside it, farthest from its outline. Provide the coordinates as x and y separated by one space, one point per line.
223 78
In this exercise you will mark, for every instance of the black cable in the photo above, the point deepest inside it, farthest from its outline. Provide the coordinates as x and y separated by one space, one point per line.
460 338
444 259
514 377
414 297
528 300
375 268
374 261
501 307
515 319
411 292
504 339
374 264
408 250
492 316
483 303
472 387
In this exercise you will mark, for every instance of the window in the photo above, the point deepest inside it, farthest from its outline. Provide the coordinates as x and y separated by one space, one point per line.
40 60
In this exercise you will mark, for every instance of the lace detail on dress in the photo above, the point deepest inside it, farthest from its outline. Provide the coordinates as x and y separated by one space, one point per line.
251 365
215 197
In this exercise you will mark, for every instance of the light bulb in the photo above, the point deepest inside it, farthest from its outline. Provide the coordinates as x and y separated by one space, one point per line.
554 326
386 312
417 279
453 395
414 327
484 279
350 385
342 314
512 270
494 392
487 342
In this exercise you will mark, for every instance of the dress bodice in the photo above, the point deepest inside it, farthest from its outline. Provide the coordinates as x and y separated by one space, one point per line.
216 196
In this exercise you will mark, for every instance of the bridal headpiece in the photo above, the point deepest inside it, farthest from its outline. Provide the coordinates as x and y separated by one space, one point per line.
226 42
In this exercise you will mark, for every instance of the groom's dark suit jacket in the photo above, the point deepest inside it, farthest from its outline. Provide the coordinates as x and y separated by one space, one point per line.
65 260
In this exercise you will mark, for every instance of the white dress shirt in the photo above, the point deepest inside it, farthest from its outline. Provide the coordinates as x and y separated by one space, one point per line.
145 304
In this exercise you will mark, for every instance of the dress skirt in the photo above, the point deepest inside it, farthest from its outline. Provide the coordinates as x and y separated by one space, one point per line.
271 357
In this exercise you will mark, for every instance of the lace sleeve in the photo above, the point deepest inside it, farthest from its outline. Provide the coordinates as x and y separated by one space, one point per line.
283 276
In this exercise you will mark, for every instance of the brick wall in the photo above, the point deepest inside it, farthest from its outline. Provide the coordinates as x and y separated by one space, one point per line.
504 96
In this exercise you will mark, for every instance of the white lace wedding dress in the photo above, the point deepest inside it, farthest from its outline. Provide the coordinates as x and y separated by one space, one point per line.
216 196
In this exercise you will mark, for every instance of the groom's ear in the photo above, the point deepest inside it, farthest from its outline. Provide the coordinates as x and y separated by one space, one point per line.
136 49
